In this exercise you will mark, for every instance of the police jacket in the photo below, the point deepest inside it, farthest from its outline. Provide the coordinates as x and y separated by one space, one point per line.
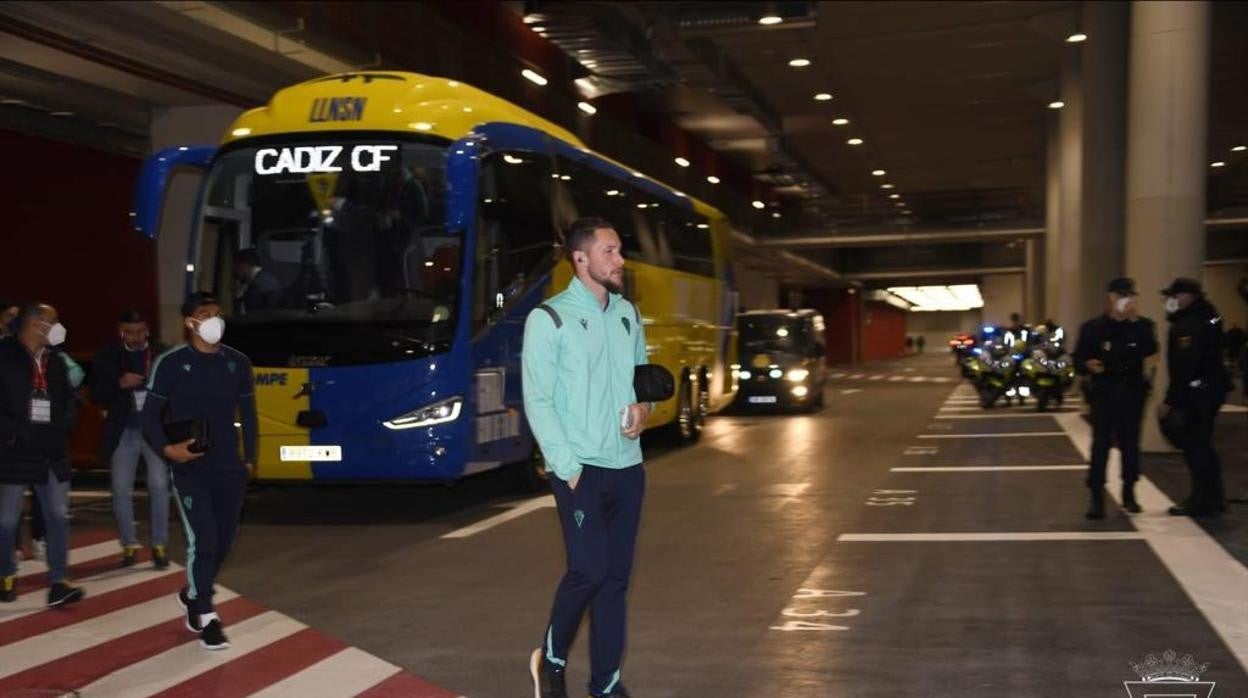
29 450
1194 355
106 391
1121 345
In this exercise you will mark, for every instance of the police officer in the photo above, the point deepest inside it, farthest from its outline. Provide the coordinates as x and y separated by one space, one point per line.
204 381
1110 354
1199 383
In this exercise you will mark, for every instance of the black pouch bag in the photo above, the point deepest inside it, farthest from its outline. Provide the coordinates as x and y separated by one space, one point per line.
194 430
653 383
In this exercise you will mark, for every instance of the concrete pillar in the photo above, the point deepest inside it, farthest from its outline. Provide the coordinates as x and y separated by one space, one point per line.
1033 282
1166 155
171 126
1052 217
1069 262
1102 180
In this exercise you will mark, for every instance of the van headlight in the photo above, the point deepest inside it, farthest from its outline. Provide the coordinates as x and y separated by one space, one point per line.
430 415
797 375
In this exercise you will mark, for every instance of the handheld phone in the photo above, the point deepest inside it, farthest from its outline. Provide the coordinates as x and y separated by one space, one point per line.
626 419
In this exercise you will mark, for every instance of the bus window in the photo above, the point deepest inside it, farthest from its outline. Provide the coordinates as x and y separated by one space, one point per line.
515 231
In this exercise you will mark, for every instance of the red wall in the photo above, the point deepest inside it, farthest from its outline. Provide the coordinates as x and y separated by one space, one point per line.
67 239
842 316
883 332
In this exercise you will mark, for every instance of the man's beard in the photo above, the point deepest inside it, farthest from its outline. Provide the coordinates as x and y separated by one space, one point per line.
607 283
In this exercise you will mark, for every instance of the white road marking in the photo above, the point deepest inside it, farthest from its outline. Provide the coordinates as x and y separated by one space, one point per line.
188 660
348 673
851 391
724 489
1216 582
987 537
919 379
1004 435
984 468
112 580
998 415
791 489
498 519
856 376
895 379
837 375
76 556
921 451
64 641
1234 408
876 377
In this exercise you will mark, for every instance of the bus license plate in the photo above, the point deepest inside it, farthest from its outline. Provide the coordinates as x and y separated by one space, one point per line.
310 453
762 399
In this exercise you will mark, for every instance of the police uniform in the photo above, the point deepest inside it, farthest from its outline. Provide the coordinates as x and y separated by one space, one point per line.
1199 383
1116 395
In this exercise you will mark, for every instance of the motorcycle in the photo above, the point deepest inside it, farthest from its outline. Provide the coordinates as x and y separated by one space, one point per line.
1047 375
994 375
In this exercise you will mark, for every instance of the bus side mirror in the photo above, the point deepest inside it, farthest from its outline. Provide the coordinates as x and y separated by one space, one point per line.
149 196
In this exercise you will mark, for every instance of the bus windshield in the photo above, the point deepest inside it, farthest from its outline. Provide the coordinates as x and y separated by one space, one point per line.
774 333
350 233
328 246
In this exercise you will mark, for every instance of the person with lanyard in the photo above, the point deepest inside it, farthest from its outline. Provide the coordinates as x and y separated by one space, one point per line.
209 385
581 349
36 414
117 377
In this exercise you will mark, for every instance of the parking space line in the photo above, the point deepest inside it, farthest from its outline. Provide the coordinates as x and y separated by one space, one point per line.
497 520
1215 582
987 537
984 468
1000 415
1003 435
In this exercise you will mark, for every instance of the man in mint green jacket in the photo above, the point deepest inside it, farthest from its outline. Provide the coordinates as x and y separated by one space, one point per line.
580 348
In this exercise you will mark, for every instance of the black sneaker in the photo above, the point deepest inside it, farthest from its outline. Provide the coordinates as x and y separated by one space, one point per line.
212 637
8 589
63 594
160 558
548 679
618 692
1096 510
192 618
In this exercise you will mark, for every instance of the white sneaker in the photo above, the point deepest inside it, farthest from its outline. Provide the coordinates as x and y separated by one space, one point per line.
40 549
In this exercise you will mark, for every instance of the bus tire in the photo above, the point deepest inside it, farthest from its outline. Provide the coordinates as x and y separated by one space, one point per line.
687 428
530 474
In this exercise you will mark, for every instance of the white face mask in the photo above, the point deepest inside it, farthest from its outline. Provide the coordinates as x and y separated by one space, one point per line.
211 330
56 335
1172 305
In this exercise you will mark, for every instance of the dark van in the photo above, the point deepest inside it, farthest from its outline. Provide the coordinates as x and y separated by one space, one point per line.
783 359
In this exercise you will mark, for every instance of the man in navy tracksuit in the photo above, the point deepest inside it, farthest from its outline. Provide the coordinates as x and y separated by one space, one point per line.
204 380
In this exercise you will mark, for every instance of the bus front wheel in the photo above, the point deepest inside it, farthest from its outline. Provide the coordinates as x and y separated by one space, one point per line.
690 413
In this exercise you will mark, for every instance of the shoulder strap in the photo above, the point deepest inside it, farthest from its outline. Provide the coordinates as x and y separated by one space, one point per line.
636 313
553 315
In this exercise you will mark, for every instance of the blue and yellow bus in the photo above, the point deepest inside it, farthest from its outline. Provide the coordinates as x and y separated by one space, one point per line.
402 227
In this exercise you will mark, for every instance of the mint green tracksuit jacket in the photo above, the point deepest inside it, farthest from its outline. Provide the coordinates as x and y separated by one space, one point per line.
578 379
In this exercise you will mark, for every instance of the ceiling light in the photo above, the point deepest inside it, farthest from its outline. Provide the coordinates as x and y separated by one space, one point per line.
886 185
530 19
907 212
642 205
900 204
587 108
703 226
854 141
758 204
894 196
823 97
540 30
590 64
1057 104
878 173
1076 38
770 19
775 214
533 77
936 298
1217 163
682 162
565 178
840 121
799 62
713 179
1239 148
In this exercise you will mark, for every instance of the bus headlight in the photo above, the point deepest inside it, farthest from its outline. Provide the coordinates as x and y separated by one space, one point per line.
431 415
745 375
797 375
775 373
